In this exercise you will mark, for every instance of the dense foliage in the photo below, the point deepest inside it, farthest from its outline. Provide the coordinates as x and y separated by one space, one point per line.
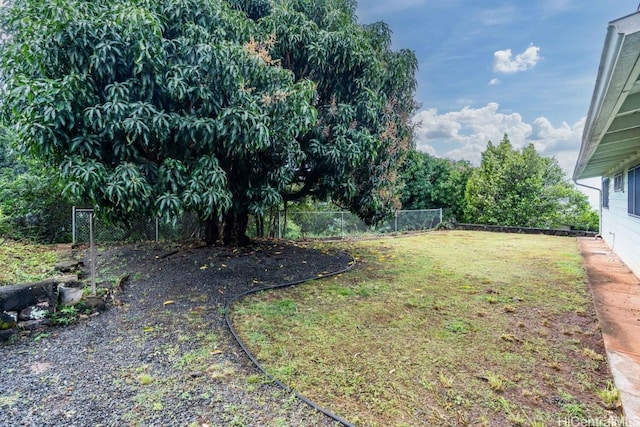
434 183
31 205
521 188
223 108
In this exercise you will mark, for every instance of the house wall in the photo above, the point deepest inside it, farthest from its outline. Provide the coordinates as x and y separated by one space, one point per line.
620 230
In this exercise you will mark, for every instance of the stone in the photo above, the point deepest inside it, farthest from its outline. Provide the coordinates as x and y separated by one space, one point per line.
68 278
95 304
17 297
34 312
68 266
5 334
8 320
31 325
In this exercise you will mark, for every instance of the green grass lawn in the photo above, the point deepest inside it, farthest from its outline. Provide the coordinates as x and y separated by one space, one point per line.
446 328
23 263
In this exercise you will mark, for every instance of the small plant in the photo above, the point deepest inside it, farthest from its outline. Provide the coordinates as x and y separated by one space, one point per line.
258 379
516 419
495 382
610 396
571 406
458 326
221 370
9 400
41 336
590 354
65 315
445 381
509 308
145 379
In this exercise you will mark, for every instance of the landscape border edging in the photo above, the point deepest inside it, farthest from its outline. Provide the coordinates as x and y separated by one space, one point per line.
254 360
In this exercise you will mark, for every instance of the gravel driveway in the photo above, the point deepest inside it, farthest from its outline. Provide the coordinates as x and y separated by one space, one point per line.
161 355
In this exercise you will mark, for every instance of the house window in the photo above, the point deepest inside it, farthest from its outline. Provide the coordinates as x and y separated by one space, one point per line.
618 182
634 190
605 192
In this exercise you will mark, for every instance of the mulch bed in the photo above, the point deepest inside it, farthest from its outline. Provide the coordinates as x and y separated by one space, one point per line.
161 354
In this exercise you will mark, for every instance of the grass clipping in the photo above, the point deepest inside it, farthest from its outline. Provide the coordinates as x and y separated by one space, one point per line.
447 328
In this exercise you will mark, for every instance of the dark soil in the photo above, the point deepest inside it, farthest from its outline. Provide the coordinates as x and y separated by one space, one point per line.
162 354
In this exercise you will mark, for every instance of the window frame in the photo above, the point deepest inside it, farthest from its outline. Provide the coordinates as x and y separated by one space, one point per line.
633 190
618 182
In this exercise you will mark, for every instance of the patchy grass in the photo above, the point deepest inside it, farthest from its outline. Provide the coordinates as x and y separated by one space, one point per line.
447 328
23 262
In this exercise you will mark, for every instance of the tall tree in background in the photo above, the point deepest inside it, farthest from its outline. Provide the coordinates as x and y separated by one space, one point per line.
223 108
522 188
433 183
364 102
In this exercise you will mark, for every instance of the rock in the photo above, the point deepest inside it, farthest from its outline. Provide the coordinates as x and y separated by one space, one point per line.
94 303
68 266
5 334
8 320
34 312
69 278
17 297
31 325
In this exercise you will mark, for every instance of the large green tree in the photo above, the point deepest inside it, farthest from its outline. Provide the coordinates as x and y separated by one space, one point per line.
223 108
434 183
521 188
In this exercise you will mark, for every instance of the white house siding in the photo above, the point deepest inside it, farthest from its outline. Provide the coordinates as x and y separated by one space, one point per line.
620 230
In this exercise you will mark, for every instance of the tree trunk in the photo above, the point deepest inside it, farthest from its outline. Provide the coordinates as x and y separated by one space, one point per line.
231 231
259 226
211 232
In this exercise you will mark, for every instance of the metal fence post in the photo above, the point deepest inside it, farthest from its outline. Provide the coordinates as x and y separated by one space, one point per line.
92 241
342 224
395 226
73 225
157 230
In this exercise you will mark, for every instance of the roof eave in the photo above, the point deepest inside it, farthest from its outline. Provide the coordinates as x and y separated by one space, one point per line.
598 121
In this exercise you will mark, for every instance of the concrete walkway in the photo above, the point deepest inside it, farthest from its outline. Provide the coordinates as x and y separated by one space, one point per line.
616 296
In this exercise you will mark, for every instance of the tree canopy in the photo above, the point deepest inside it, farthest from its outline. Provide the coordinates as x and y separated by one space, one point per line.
434 183
223 108
521 188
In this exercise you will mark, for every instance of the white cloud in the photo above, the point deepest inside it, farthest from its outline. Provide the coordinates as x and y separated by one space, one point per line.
464 134
497 16
557 6
494 82
504 62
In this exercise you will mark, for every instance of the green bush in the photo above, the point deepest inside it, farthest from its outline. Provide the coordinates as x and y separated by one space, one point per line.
31 205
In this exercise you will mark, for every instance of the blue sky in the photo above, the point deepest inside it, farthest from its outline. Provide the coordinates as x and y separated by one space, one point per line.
527 68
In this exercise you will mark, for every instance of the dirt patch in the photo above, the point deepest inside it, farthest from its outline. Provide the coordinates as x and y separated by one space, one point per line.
161 355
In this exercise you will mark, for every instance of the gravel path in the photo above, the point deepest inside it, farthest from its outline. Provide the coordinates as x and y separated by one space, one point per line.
162 354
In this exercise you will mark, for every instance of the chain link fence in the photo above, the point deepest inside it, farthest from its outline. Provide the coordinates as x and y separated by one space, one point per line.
147 229
294 225
297 225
